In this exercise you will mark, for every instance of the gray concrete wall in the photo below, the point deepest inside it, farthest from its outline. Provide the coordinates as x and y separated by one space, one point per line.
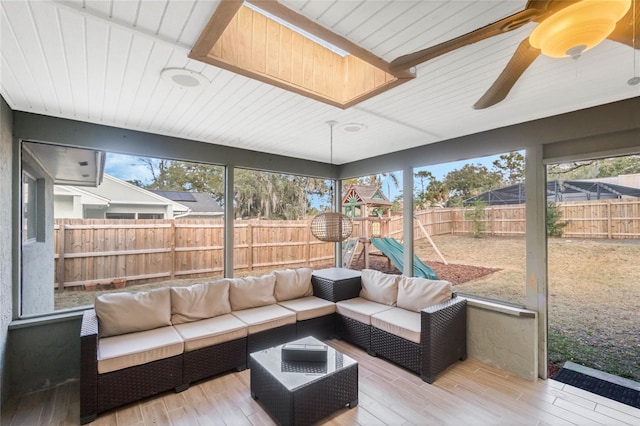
37 256
503 337
6 235
41 355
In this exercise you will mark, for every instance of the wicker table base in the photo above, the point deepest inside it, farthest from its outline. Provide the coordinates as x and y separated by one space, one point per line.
301 393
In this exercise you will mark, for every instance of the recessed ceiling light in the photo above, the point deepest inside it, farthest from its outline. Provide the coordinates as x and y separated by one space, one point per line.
352 127
184 79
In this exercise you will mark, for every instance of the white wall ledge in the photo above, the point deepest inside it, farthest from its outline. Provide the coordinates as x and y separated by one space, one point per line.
59 316
499 307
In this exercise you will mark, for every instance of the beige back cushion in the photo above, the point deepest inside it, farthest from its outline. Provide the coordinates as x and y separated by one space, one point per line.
379 287
251 292
121 313
293 284
200 301
415 294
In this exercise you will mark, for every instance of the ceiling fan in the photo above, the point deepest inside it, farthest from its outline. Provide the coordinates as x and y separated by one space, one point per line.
566 28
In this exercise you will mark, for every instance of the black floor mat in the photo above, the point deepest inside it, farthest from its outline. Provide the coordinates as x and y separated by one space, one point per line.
599 387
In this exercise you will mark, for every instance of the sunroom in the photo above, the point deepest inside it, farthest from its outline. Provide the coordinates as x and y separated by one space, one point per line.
327 90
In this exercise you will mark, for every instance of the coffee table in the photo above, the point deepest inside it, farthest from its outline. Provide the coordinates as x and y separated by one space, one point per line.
299 392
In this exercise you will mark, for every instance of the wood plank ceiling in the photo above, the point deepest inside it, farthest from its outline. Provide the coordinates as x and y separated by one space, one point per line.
100 62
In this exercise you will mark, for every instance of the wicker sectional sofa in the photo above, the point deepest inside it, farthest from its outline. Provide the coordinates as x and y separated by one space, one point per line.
134 345
417 323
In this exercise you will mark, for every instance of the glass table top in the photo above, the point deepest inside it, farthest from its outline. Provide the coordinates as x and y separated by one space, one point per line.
293 374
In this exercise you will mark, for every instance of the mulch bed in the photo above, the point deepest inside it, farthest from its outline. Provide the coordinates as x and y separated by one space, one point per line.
455 274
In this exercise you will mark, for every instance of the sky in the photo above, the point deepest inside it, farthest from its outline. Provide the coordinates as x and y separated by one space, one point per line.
127 167
439 171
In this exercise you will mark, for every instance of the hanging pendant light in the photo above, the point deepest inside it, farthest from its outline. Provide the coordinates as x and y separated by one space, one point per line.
331 226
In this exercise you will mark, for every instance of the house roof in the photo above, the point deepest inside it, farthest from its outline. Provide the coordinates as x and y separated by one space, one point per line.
69 166
101 62
367 194
568 190
86 198
197 202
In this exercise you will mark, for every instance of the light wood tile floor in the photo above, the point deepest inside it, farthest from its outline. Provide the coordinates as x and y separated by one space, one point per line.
468 393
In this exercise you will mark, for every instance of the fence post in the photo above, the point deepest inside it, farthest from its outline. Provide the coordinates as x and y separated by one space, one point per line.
609 222
493 221
172 253
250 244
308 230
61 233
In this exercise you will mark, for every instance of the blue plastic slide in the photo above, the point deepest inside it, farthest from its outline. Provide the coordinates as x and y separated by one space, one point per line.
391 248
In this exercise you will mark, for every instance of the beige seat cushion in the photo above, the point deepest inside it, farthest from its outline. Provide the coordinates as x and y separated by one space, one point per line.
309 307
265 317
379 287
360 309
128 350
399 322
293 283
211 331
416 294
199 301
122 313
251 292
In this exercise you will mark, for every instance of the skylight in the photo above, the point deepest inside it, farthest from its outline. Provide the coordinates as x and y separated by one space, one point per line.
298 30
278 46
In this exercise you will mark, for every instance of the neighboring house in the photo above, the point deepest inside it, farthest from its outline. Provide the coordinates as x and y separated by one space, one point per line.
201 205
113 199
72 202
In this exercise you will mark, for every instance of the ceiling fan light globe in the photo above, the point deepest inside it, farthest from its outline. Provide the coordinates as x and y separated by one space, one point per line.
586 23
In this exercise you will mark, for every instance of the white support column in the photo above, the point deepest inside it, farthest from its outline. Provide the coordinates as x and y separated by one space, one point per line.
337 206
407 220
536 248
228 221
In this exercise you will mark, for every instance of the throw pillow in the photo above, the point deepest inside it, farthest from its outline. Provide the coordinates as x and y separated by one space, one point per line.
293 284
415 294
252 292
379 287
199 301
121 313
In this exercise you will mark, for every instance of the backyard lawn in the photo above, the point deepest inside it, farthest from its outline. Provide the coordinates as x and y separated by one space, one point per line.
594 292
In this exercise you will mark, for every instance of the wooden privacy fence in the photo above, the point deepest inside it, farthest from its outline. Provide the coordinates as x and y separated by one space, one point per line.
95 251
611 219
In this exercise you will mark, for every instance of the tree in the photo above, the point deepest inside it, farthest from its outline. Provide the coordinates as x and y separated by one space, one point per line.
169 175
510 167
435 193
373 180
257 194
555 224
274 195
608 167
477 216
574 170
619 166
470 180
